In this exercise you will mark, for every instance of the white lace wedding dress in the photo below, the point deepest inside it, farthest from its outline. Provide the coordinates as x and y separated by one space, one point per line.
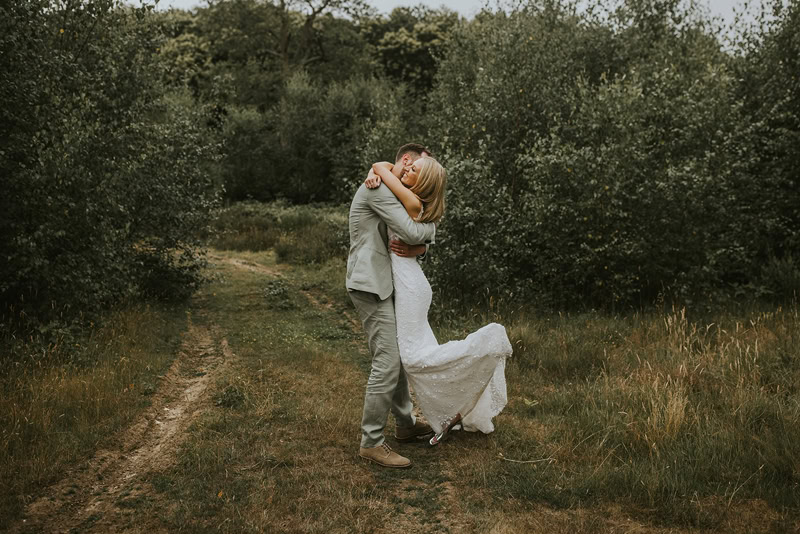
465 376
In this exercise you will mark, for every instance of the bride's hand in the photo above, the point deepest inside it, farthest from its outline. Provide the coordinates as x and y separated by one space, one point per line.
372 181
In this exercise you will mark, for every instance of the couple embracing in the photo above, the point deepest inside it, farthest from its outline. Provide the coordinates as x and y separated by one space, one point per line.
392 222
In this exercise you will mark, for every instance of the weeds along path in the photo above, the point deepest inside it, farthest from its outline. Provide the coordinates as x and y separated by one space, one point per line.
97 496
253 266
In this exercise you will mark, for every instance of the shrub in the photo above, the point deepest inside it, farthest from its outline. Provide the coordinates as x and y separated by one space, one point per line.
587 169
313 144
106 177
781 277
299 234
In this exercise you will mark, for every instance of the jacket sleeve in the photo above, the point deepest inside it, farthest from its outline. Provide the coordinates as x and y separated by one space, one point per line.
392 212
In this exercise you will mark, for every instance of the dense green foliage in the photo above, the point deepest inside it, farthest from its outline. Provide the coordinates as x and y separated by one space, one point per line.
308 98
618 157
606 156
105 175
312 146
769 91
609 155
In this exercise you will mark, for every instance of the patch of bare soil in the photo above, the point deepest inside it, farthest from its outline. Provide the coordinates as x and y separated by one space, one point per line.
247 265
103 494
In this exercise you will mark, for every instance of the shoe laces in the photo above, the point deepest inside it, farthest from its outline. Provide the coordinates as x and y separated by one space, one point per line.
386 448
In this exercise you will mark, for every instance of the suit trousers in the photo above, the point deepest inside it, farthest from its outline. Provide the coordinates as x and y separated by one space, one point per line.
387 387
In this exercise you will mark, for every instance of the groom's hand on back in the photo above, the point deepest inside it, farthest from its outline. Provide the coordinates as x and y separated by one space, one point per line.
404 250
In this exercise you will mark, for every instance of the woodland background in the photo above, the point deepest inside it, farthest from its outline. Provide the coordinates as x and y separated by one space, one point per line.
608 156
623 196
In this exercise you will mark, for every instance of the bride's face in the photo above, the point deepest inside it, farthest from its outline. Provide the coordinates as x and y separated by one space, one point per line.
411 174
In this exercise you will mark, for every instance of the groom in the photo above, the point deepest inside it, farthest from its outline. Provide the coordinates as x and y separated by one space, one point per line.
369 283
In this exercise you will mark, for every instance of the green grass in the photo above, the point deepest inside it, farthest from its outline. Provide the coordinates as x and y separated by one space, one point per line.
284 457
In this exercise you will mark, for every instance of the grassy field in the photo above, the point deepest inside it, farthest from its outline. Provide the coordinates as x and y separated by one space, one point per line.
61 402
649 422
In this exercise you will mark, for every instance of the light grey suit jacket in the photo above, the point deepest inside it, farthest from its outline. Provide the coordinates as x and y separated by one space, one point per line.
368 265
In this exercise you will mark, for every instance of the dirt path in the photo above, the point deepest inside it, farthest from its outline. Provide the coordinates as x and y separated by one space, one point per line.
96 496
101 495
240 263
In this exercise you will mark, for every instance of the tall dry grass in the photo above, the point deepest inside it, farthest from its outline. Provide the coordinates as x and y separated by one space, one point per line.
676 416
58 403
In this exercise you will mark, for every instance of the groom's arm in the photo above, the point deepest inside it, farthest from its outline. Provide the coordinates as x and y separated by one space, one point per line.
404 250
392 212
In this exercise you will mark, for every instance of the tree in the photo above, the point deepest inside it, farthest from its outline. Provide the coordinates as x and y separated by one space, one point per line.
589 168
254 46
106 178
408 43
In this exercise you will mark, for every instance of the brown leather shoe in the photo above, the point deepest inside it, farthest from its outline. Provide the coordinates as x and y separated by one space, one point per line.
384 455
418 431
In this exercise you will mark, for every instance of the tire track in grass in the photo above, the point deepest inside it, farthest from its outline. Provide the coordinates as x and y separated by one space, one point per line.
106 493
102 495
241 263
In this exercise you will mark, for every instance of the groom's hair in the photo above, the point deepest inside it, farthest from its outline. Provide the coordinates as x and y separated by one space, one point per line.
413 149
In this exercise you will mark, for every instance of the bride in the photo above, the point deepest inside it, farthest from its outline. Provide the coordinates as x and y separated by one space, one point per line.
459 382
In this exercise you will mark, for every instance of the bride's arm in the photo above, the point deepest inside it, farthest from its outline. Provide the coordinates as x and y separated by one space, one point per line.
410 201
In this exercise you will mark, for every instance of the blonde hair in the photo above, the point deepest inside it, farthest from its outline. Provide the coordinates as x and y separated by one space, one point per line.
430 187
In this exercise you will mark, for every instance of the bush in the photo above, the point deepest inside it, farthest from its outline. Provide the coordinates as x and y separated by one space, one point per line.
313 145
587 169
106 177
299 234
781 278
